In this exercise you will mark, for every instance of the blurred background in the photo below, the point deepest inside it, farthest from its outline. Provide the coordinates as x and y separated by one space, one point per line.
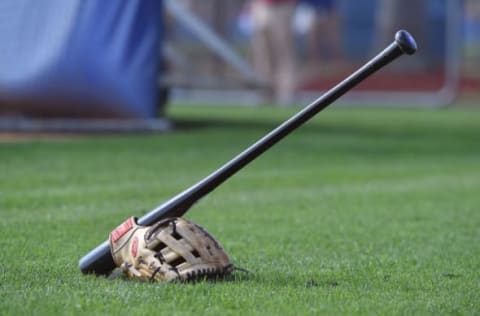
66 64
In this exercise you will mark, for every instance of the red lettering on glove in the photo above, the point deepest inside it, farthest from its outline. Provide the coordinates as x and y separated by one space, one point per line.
121 230
135 247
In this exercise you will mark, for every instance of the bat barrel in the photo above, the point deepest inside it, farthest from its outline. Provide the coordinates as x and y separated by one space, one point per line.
99 260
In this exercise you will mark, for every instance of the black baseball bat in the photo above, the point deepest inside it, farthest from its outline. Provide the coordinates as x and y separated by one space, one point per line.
99 261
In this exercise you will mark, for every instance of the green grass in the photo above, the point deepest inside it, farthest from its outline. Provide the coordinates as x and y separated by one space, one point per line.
361 211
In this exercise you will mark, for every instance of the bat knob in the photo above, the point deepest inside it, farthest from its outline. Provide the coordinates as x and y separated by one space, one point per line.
406 42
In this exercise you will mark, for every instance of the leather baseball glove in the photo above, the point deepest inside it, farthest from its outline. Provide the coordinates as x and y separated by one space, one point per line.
173 249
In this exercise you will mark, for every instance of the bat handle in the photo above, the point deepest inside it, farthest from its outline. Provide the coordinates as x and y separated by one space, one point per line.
406 42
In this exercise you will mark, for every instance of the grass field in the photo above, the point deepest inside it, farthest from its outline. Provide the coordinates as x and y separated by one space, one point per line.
361 211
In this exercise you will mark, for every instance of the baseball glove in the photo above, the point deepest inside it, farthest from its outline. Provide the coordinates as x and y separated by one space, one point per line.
173 249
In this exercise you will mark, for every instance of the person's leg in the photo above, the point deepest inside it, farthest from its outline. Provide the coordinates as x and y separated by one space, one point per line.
284 52
261 47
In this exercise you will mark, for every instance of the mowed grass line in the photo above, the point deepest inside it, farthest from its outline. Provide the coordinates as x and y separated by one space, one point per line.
361 211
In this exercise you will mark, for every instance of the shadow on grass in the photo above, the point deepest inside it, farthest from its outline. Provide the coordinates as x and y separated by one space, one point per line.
313 281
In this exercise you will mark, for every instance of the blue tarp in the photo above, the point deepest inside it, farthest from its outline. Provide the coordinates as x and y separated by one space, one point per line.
89 55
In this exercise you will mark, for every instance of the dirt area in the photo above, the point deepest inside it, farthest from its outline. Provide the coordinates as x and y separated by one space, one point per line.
24 137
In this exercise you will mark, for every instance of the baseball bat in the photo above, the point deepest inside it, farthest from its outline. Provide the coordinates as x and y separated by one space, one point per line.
99 261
